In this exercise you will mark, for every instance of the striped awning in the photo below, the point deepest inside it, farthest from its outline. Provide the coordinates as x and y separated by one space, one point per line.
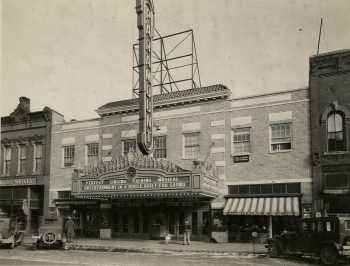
274 206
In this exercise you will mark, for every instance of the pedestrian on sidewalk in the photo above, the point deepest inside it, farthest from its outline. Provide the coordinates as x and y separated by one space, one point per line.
187 232
69 229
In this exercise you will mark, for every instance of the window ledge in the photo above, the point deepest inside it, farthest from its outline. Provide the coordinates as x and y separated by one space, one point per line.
240 154
335 152
283 151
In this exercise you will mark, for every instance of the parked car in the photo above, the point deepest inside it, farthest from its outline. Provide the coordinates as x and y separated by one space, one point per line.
10 235
50 234
327 237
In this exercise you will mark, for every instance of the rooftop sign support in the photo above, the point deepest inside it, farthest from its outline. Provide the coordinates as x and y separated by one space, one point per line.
145 25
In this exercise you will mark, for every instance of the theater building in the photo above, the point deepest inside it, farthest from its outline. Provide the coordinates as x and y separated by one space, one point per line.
132 195
329 83
25 163
267 169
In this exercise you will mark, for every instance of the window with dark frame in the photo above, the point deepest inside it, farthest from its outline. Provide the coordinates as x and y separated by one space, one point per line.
159 147
38 157
7 160
68 156
281 137
191 145
335 132
92 153
22 158
241 140
265 189
129 144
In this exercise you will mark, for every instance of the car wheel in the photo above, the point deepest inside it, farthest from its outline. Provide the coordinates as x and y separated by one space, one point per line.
329 255
49 238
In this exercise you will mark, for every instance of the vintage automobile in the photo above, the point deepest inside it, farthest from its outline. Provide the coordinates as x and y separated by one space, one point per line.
326 237
10 235
51 233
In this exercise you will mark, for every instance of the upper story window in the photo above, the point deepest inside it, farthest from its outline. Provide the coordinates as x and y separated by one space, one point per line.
241 140
335 132
281 137
159 147
68 156
92 153
38 157
265 189
22 157
191 145
128 145
6 160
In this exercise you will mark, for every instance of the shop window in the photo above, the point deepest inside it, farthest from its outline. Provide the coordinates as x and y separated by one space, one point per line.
194 223
6 160
191 145
136 224
293 188
281 137
22 157
266 188
233 189
159 147
336 181
92 153
347 225
68 156
64 194
145 223
335 132
125 224
279 188
128 145
241 140
38 156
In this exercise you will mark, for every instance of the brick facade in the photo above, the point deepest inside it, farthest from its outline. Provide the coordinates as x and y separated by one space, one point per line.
329 83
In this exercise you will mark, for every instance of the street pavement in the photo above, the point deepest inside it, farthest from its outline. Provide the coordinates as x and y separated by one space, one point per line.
25 257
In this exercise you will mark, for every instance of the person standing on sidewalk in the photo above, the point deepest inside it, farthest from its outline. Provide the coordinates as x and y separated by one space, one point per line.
187 232
69 229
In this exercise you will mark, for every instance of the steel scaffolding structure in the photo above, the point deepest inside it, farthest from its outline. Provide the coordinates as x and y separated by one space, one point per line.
174 63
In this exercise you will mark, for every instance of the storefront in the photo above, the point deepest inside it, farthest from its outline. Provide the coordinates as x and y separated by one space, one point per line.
142 197
21 201
264 215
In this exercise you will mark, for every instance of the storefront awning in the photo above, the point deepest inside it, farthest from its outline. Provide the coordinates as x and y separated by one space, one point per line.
274 206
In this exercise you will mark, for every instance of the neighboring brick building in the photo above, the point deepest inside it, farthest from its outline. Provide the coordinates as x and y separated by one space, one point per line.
329 83
256 142
25 162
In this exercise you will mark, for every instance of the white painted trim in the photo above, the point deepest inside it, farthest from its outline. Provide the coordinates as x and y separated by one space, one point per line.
106 147
80 124
127 134
107 136
220 163
68 141
217 149
239 121
218 136
34 155
261 99
280 116
92 138
269 181
217 123
130 118
189 115
191 127
60 189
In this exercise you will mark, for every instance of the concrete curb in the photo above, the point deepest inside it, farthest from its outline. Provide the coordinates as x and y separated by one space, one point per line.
162 251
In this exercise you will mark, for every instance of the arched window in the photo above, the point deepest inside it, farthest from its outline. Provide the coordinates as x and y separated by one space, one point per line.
335 132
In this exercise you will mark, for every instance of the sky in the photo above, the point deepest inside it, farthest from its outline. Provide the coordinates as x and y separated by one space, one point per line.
75 55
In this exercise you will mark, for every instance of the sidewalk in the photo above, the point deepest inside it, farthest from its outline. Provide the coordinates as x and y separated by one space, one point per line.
158 246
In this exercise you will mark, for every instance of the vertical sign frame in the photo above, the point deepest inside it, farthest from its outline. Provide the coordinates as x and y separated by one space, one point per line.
145 25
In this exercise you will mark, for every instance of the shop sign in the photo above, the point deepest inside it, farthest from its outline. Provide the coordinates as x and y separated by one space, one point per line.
145 25
18 181
241 158
139 184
